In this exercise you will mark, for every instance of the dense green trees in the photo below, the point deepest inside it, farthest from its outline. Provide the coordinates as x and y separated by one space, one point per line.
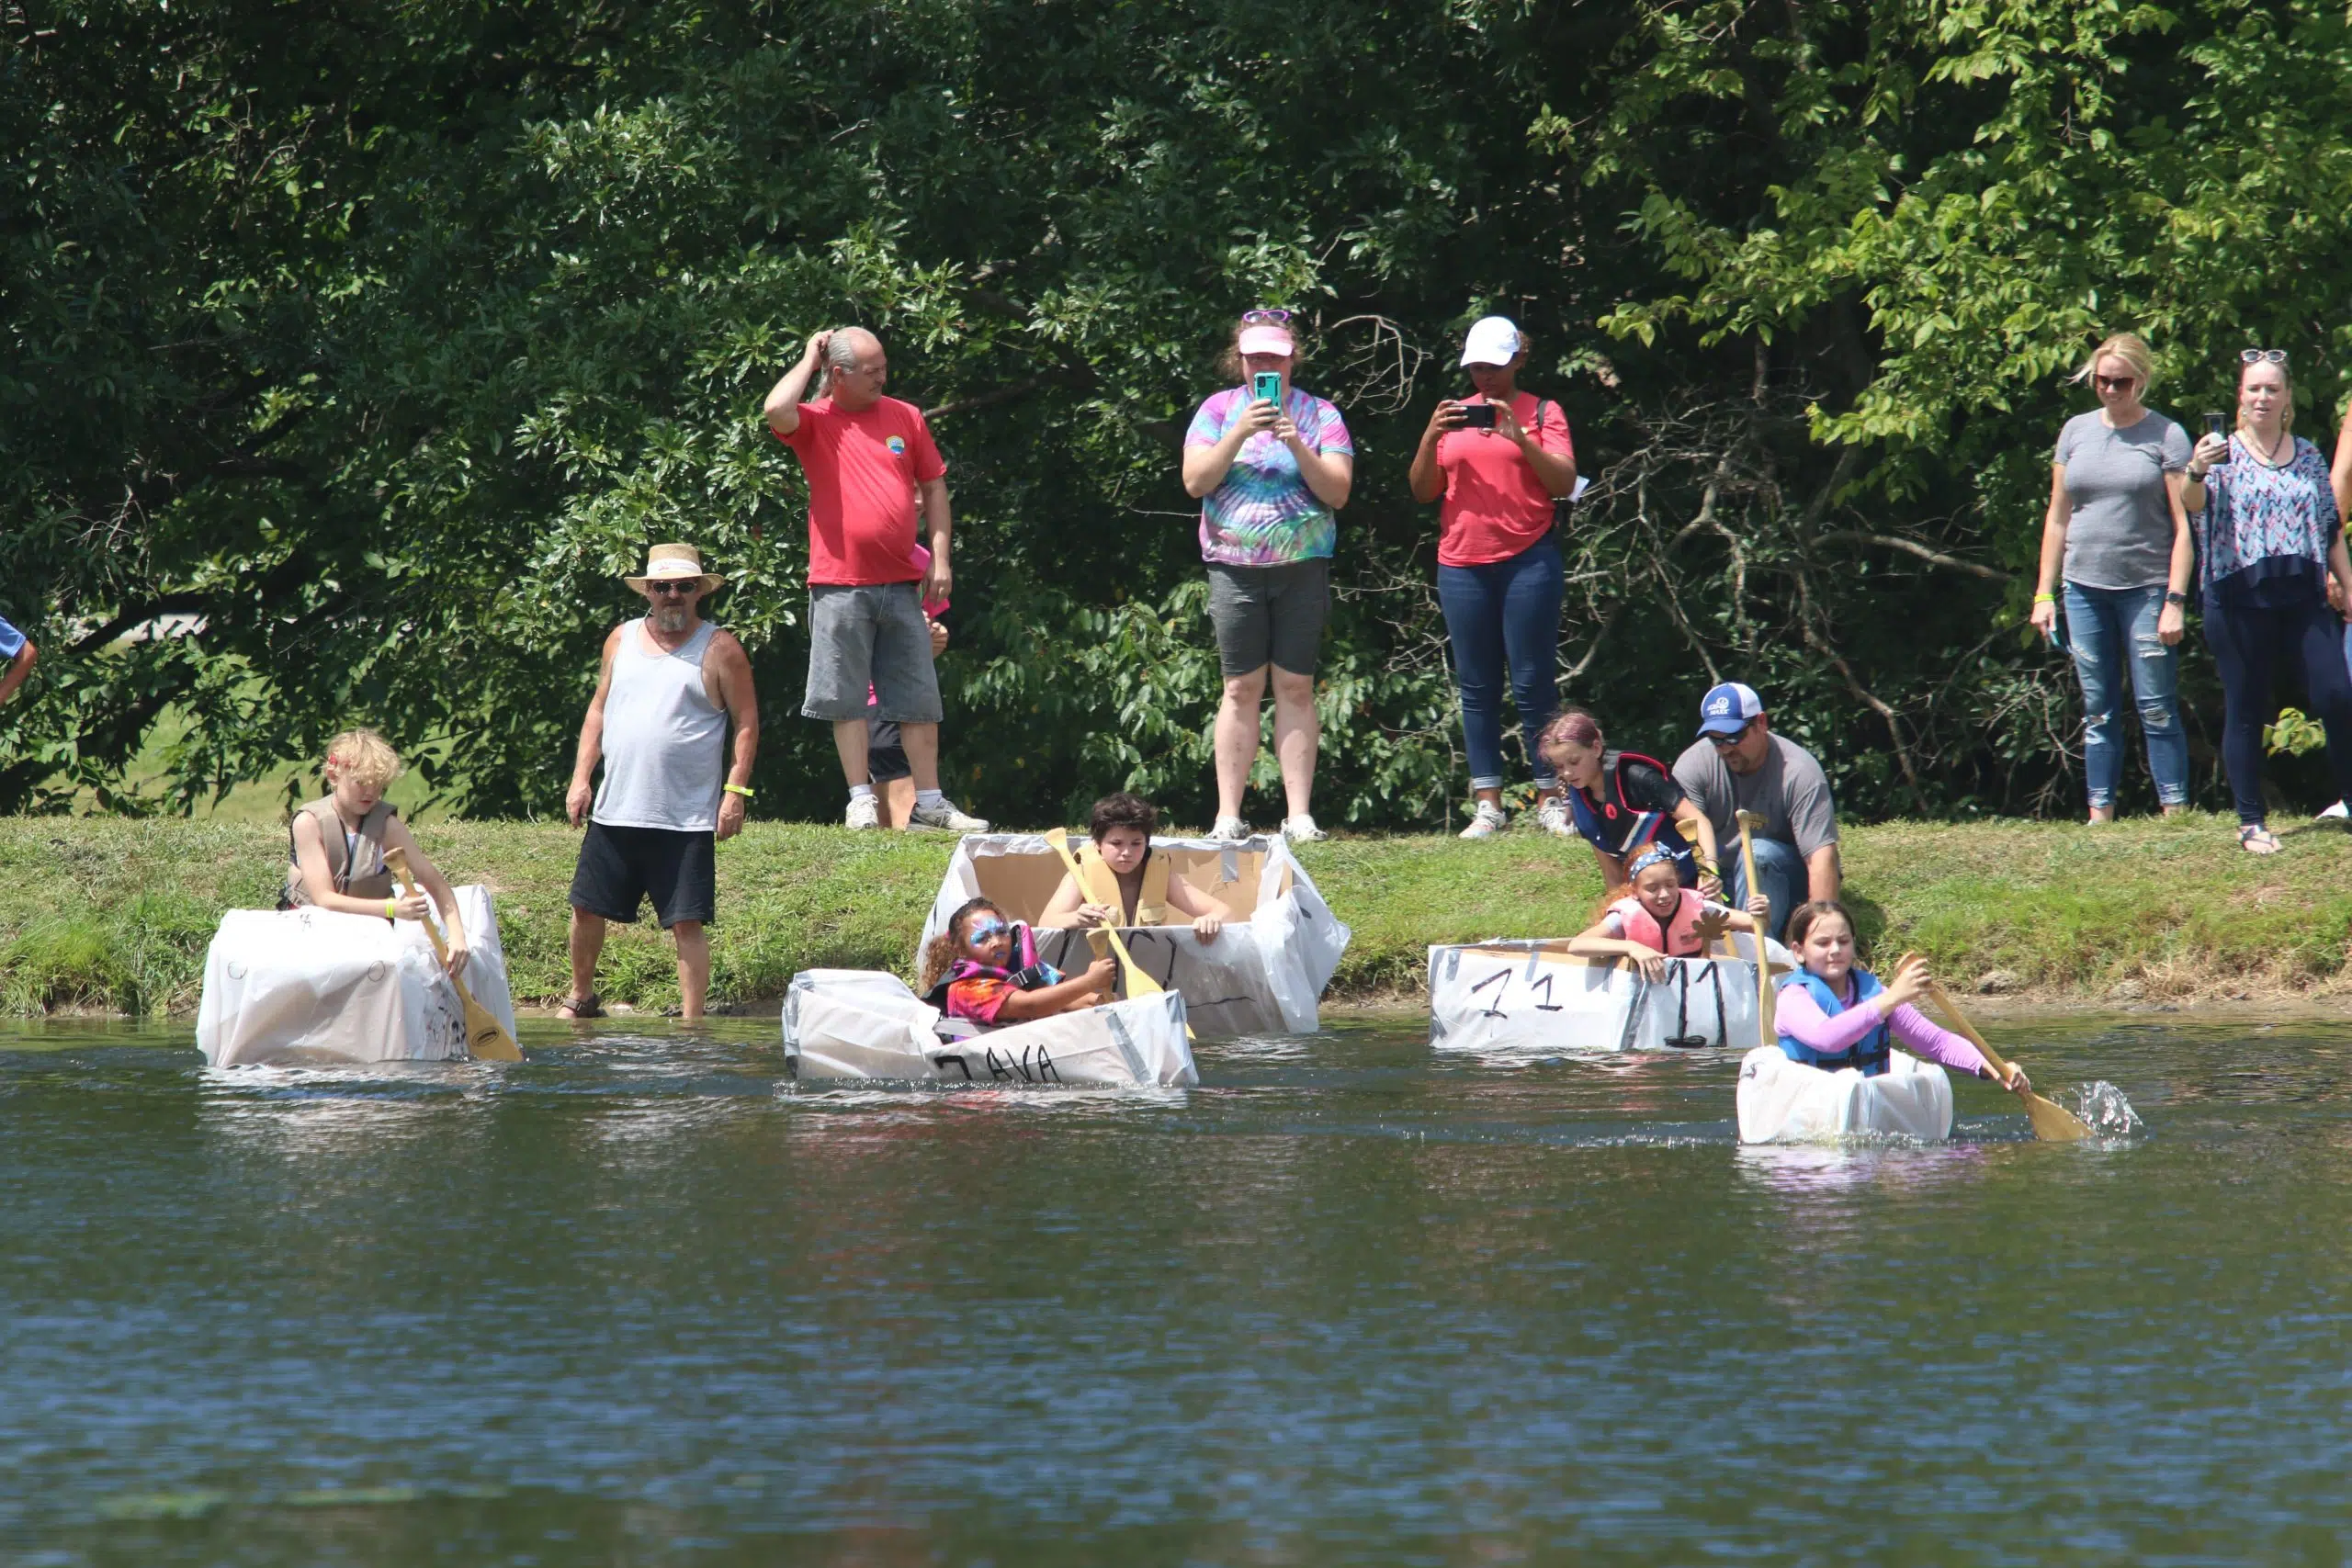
378 339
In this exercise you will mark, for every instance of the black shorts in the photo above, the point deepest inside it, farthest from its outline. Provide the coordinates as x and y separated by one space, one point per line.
620 867
886 759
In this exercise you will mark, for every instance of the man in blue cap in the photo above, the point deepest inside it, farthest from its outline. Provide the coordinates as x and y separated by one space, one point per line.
1738 764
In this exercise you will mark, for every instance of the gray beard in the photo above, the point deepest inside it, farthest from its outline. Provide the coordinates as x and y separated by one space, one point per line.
670 617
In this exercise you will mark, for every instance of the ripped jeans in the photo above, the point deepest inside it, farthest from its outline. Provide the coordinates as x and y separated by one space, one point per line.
2110 628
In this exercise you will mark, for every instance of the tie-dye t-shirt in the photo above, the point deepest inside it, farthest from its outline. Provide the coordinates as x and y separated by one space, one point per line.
1263 514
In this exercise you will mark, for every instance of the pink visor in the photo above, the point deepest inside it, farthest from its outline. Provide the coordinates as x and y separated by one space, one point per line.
1266 340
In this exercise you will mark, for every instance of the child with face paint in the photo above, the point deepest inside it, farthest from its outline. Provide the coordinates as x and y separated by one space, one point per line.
985 967
1659 917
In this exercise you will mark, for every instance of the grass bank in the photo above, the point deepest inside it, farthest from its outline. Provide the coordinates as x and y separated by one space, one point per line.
109 914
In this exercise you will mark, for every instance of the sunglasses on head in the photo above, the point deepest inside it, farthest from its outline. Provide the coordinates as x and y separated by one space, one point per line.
1265 317
2262 355
683 585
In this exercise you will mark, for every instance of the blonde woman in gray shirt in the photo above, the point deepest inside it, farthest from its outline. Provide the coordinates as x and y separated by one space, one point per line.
2117 535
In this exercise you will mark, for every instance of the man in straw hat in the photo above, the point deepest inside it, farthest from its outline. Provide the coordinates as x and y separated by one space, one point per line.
672 686
871 465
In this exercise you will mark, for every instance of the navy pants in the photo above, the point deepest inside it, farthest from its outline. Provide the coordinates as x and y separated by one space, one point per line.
2250 642
1505 616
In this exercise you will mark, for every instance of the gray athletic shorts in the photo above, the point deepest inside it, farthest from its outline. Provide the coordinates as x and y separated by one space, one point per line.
1269 614
870 636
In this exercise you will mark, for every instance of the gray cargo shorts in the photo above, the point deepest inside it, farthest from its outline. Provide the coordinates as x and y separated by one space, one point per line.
870 636
1269 614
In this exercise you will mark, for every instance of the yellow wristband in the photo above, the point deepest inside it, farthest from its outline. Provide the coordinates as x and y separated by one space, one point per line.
736 789
2045 598
391 908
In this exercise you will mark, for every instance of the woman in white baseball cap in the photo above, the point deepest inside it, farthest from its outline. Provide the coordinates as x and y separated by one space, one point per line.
1494 463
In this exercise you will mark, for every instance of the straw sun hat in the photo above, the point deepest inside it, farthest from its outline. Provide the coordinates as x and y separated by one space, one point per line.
666 563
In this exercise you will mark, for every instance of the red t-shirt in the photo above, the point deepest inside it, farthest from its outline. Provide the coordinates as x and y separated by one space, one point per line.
863 469
1494 505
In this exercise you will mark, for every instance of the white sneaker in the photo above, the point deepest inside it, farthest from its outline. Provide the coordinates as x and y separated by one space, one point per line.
1555 819
1487 821
1301 829
945 818
2336 811
865 811
1231 830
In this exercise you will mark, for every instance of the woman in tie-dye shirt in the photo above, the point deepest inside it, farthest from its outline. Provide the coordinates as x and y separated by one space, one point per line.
1269 475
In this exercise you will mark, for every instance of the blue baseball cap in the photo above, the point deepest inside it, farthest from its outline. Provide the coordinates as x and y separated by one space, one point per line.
1727 709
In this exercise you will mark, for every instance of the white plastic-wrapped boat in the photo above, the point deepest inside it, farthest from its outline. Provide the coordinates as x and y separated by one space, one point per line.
863 1023
294 985
1785 1102
1536 995
1263 974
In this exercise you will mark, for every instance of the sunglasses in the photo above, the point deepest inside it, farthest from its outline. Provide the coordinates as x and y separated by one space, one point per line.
688 586
2117 383
1262 318
2261 355
1726 742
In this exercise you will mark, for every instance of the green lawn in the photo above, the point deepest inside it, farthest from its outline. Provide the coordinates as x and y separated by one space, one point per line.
109 913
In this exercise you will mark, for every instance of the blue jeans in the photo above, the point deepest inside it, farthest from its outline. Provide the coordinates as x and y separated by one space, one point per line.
2112 629
1778 867
1505 614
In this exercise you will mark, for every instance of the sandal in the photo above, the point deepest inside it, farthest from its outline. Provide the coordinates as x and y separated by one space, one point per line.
2256 840
578 1007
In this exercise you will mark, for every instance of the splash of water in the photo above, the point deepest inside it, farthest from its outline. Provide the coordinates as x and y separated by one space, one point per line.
2107 1113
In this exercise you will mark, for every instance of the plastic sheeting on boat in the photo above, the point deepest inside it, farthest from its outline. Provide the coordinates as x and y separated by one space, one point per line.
1784 1101
1523 995
1263 974
863 1023
292 984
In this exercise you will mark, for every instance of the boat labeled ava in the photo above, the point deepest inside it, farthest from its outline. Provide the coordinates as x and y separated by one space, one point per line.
866 1023
310 984
1263 974
1505 995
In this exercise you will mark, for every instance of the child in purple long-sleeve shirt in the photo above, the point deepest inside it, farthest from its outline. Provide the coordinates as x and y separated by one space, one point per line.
1833 1014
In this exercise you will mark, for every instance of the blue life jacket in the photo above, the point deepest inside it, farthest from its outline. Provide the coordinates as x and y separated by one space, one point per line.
1617 828
1870 1053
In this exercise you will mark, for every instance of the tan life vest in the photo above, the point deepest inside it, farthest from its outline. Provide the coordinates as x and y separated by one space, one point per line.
1100 885
364 850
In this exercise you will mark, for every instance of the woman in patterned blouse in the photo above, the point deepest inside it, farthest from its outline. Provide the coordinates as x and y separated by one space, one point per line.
2268 536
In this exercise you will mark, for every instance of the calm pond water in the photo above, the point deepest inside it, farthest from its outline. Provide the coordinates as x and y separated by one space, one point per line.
641 1301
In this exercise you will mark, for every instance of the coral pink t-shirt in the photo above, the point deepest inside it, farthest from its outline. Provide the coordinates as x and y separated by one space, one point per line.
862 469
1494 506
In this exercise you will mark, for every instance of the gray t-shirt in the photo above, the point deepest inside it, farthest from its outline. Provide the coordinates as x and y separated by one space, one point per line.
1790 791
2121 533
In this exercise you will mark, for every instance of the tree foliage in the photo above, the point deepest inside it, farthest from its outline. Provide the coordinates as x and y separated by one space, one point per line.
373 342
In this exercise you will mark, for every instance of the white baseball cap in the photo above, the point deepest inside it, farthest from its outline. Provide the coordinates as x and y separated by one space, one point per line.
1493 340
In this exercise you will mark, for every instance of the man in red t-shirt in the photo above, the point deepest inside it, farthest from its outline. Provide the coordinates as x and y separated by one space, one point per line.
872 465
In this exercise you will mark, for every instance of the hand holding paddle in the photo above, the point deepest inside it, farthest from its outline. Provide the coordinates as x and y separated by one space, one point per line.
2051 1124
486 1038
1138 983
1749 822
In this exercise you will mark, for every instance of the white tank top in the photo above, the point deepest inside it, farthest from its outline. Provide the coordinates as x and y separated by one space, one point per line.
664 739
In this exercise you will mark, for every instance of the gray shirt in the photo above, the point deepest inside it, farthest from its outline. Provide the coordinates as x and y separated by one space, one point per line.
2119 535
1790 791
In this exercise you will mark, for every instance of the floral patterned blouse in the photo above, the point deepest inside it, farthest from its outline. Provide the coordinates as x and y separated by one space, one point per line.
2265 533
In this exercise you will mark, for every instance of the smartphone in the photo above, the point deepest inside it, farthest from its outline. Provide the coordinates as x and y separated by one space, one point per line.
1268 386
1478 416
2216 425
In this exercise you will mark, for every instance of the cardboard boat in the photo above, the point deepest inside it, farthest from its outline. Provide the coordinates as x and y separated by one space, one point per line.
1503 995
297 985
1785 1102
864 1023
1263 974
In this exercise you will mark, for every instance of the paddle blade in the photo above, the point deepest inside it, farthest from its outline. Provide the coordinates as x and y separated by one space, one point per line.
2053 1124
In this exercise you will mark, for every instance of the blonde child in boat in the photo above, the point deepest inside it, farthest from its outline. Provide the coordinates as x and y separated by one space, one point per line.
1658 918
985 967
336 845
1833 1013
1121 826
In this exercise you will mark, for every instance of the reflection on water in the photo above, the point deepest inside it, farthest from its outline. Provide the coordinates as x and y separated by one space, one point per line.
642 1299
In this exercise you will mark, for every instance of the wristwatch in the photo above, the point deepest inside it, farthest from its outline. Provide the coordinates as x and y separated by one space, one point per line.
2174 596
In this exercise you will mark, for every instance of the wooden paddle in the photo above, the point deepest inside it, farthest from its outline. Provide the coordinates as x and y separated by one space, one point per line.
2051 1124
486 1038
1138 983
1749 822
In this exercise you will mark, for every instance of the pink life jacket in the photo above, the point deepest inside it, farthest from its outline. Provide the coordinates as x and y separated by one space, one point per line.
1681 937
